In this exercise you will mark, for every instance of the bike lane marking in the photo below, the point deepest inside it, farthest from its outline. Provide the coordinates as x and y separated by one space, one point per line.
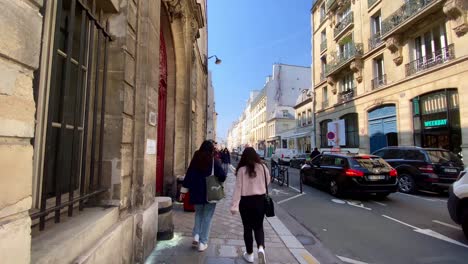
428 232
290 198
446 224
352 261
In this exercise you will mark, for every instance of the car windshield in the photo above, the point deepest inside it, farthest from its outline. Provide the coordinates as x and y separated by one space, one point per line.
369 162
443 156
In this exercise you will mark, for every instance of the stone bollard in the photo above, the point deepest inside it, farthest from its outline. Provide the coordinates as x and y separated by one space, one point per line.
165 223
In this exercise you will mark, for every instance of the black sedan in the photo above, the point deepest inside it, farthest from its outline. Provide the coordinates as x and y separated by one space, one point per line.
298 160
351 173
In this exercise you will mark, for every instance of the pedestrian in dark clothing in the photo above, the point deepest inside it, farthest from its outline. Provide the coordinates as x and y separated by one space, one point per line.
194 182
314 153
226 159
252 177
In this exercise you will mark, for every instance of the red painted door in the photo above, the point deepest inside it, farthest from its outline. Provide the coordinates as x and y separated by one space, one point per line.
162 96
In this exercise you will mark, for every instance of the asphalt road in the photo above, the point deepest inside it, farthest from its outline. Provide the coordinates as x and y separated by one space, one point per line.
399 229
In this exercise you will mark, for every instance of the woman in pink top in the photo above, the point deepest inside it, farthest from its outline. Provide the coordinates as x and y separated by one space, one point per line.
249 198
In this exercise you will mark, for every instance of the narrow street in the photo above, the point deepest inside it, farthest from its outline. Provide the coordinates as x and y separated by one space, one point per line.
400 229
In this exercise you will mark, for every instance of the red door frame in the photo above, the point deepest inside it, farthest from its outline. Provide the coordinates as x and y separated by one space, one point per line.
162 100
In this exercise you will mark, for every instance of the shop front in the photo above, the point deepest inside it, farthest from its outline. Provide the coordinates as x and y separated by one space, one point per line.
436 120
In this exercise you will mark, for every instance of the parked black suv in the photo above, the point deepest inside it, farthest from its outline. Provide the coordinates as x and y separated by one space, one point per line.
431 169
356 173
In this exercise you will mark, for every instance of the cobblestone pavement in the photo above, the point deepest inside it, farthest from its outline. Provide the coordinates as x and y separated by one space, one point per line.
226 244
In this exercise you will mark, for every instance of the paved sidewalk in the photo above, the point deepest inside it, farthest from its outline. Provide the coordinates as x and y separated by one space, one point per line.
226 243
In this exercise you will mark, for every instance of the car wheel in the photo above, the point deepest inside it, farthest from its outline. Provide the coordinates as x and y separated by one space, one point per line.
334 188
406 183
464 222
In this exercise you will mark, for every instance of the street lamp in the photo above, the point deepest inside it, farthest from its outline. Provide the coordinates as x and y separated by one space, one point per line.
217 61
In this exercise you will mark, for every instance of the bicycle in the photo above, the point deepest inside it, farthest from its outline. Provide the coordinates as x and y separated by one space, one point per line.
278 173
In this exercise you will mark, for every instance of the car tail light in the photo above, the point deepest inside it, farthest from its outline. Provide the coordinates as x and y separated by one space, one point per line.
427 169
354 173
393 173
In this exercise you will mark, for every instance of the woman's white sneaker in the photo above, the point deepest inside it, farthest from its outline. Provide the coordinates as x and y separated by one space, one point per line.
248 257
261 255
202 247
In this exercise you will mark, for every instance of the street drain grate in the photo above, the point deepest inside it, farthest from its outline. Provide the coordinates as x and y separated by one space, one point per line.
305 240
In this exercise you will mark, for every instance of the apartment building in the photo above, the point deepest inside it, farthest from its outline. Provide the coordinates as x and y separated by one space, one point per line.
258 120
393 71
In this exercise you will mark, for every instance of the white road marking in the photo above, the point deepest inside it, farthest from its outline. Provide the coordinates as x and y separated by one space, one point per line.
277 191
382 204
415 196
338 201
290 198
359 205
296 189
445 224
398 221
352 261
440 236
428 232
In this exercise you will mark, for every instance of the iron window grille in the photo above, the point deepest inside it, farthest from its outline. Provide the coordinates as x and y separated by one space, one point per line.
76 103
379 81
375 41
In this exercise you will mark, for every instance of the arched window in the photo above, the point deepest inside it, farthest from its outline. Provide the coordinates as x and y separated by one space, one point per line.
323 133
351 130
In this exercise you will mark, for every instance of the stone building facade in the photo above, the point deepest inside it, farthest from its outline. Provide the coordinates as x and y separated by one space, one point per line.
393 70
102 104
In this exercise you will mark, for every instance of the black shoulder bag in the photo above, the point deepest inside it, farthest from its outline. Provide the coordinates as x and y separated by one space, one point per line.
269 206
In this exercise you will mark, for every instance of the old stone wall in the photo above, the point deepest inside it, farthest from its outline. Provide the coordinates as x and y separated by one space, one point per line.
19 58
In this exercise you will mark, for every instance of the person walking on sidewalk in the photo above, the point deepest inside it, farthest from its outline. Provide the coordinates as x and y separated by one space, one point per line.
194 182
226 159
249 198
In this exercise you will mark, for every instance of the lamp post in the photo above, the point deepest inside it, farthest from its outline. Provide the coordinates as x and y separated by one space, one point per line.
217 61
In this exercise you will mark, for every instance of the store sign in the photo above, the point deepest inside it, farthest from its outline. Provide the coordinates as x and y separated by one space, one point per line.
435 123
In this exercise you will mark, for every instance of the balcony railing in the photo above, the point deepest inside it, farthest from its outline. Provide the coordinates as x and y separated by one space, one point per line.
371 3
323 45
340 60
439 57
346 95
379 81
375 41
343 24
405 12
324 104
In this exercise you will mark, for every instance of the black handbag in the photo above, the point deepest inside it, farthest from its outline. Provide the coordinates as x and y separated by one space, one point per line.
269 206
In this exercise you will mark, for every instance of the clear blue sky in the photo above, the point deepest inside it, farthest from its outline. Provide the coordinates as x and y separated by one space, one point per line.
249 36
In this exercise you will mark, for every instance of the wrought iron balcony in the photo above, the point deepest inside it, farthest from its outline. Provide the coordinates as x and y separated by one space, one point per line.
346 95
439 57
343 24
323 45
408 11
341 60
371 3
324 104
375 41
379 81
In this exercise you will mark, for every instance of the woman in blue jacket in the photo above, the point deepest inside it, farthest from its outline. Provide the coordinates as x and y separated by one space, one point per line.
194 182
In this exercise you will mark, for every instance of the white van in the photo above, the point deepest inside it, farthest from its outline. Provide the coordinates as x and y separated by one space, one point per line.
283 156
458 201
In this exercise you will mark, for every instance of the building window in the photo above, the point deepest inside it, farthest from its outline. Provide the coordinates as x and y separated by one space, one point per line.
430 49
376 29
285 113
325 97
322 12
323 67
303 120
379 73
309 116
347 83
351 130
323 43
323 133
299 120
75 111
